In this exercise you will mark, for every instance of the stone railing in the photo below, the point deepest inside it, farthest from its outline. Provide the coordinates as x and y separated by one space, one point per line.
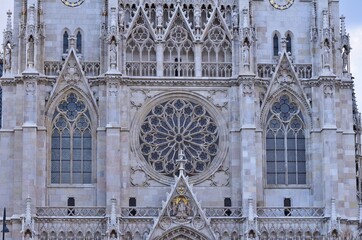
217 69
304 71
141 68
228 212
53 68
71 211
290 212
145 212
179 69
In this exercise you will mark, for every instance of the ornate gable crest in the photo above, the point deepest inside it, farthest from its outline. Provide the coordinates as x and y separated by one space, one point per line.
216 21
178 28
71 76
181 210
140 19
284 78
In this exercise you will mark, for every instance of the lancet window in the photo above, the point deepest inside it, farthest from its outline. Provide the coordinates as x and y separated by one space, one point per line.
178 52
285 144
79 42
141 52
71 142
65 42
217 53
275 45
289 43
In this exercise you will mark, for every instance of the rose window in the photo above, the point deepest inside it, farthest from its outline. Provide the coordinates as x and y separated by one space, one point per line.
174 125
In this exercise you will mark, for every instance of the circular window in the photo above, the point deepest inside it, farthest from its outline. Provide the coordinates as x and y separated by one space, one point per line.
179 124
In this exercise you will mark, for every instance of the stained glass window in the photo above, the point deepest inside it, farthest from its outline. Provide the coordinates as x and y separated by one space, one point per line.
285 144
71 142
174 125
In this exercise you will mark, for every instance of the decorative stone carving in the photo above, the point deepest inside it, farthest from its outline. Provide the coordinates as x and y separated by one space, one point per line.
138 97
139 178
72 73
328 91
220 178
30 88
217 97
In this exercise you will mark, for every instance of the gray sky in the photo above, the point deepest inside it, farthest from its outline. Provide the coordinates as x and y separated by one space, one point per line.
351 9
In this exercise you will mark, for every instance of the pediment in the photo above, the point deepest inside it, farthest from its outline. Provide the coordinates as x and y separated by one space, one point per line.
181 209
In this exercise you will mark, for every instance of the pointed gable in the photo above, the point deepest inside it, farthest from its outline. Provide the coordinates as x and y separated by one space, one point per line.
216 21
140 19
285 78
72 77
178 23
181 208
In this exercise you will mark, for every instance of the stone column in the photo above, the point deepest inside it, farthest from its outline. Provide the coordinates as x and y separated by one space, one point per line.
198 60
159 59
112 168
248 149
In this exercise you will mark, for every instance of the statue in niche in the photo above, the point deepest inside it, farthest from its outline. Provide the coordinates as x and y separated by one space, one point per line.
235 18
28 235
113 53
345 54
197 16
121 16
7 57
246 55
30 51
113 236
326 55
159 15
181 207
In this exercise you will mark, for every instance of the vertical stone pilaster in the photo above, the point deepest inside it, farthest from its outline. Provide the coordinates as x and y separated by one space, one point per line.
159 59
248 150
198 57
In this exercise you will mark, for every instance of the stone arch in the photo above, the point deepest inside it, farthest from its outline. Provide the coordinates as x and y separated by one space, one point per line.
90 116
183 233
213 115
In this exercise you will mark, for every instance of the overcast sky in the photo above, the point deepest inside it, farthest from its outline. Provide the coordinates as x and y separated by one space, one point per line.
351 9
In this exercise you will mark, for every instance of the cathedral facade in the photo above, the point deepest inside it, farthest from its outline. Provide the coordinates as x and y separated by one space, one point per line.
185 119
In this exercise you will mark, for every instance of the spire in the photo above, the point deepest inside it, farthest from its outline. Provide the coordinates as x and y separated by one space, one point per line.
28 212
181 160
325 19
8 22
343 25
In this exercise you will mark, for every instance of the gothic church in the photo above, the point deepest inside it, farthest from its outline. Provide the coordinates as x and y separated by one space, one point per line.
184 119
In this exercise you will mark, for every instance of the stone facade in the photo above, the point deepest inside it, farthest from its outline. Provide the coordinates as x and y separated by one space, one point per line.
179 120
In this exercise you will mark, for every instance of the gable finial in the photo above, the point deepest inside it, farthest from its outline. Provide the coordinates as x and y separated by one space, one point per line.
181 160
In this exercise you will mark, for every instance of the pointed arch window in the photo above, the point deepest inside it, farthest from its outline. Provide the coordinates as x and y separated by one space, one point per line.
275 45
285 144
289 43
79 42
71 142
65 42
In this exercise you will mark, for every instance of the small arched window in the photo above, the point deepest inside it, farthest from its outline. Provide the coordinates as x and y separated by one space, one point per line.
65 42
275 45
285 144
71 142
79 42
289 43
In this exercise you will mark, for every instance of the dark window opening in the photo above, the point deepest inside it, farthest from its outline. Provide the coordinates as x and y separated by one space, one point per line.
71 203
289 44
79 42
227 203
276 45
65 42
287 207
132 203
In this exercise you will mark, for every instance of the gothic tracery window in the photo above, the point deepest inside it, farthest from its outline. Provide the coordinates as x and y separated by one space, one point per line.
179 52
141 52
285 144
179 125
71 142
216 53
289 43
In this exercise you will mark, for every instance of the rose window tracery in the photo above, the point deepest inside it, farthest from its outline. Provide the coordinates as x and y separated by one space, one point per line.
174 125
